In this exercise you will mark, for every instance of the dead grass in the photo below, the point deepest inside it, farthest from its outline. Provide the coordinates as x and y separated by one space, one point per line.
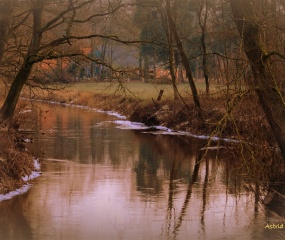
14 164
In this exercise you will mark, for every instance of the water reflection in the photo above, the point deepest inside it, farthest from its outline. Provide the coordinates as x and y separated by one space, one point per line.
12 217
101 182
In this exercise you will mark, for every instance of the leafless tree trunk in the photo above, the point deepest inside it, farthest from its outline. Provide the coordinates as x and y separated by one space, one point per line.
202 17
146 69
171 56
8 107
249 18
172 67
184 60
66 18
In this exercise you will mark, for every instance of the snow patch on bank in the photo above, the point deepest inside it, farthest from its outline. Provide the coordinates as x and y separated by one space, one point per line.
124 124
140 126
131 125
25 111
165 131
34 174
111 113
18 191
25 187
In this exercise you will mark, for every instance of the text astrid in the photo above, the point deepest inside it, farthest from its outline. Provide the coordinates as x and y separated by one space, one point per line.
274 226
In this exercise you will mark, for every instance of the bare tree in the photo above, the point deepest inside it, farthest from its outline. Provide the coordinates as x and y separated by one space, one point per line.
11 100
53 29
252 19
202 13
184 60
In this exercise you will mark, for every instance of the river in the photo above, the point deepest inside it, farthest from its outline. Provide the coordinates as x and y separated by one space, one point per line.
102 180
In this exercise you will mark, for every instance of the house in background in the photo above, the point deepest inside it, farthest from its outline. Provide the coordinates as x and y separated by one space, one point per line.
110 62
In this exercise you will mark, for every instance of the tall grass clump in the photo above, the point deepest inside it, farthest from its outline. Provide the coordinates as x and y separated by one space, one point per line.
15 161
14 164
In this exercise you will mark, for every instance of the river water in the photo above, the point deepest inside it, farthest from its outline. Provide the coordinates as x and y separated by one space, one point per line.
103 181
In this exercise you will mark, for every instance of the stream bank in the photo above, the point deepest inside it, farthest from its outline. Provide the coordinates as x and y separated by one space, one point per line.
17 167
243 122
238 119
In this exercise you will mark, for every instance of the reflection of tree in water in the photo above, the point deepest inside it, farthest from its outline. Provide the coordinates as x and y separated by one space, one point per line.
204 172
277 204
13 218
146 171
114 147
157 154
205 186
176 224
99 142
210 168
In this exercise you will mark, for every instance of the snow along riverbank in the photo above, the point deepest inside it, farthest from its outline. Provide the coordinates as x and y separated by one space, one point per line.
25 187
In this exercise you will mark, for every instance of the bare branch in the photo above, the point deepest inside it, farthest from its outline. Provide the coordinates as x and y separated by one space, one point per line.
104 14
22 21
54 22
70 39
